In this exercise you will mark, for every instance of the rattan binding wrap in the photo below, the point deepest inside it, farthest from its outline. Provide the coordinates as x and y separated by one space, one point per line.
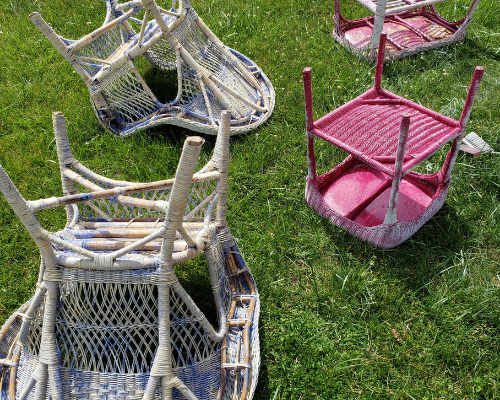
110 319
210 76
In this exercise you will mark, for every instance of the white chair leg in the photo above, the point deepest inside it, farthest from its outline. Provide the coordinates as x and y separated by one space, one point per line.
378 26
390 216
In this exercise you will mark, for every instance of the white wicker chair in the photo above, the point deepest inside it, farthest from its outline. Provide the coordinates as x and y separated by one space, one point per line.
210 76
110 319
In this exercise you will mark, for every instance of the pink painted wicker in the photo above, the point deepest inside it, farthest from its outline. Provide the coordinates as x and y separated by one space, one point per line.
374 194
109 318
412 26
210 76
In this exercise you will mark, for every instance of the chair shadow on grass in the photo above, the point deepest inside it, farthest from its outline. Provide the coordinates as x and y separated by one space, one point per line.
263 391
417 261
475 47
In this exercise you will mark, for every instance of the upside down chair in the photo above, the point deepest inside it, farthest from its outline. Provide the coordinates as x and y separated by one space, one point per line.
373 193
109 318
411 26
210 76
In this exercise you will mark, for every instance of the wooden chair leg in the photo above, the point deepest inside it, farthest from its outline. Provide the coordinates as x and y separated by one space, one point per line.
311 159
390 216
378 26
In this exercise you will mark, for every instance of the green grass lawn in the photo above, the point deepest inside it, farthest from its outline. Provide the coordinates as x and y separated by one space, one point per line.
339 319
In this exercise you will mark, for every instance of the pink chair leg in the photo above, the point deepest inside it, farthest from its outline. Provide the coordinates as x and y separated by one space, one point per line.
311 158
464 119
380 60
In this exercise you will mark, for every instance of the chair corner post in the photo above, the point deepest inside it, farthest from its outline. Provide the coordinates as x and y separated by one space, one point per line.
390 216
222 149
380 61
471 95
452 155
306 75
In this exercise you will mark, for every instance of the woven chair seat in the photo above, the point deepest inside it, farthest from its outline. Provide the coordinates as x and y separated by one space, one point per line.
373 193
368 127
110 318
412 26
210 76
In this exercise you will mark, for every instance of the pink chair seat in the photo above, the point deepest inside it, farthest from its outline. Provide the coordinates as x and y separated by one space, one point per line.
373 193
368 127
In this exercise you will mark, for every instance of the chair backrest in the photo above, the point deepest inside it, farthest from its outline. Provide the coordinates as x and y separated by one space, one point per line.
190 200
210 77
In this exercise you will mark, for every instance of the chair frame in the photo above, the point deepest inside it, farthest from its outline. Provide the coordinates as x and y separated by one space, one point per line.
401 23
116 249
383 173
210 79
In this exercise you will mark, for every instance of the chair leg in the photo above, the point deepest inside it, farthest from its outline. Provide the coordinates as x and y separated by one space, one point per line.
311 159
161 372
378 26
179 194
379 69
65 159
47 374
464 119
390 216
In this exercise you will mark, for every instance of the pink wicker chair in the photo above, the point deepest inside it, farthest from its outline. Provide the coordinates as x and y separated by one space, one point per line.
373 194
412 26
210 76
109 318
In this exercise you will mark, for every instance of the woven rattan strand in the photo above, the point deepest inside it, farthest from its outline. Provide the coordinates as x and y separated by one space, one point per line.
373 193
110 318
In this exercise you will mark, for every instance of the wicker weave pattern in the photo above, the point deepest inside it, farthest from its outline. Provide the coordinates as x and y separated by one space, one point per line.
211 77
412 27
373 194
373 131
110 319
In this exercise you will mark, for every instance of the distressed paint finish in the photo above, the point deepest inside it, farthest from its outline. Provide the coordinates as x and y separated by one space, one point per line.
373 193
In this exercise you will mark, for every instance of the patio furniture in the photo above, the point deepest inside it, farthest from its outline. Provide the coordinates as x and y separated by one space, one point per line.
110 318
210 76
412 26
373 193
